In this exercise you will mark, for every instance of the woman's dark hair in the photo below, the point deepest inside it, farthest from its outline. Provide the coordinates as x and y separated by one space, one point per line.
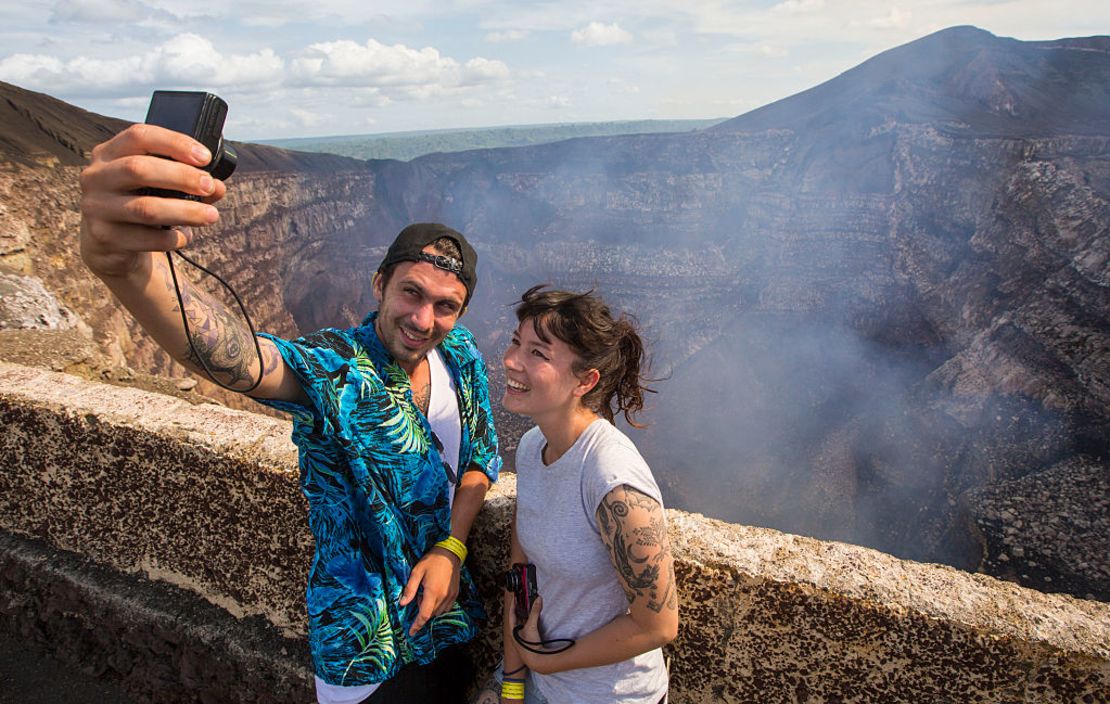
611 346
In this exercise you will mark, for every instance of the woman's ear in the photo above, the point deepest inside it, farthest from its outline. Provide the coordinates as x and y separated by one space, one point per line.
586 382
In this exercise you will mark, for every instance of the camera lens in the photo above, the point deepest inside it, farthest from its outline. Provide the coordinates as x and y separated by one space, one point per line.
225 161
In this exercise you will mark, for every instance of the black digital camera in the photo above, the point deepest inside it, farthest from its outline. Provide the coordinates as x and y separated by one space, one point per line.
201 116
521 581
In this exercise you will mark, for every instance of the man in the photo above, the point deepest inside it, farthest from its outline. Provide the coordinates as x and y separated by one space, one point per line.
392 418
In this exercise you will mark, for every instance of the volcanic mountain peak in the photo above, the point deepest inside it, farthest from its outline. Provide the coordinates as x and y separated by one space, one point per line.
961 79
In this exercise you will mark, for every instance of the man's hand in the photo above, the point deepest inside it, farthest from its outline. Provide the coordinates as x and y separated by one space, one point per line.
118 224
436 576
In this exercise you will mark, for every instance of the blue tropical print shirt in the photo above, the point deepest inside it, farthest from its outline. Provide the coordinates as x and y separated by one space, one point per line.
377 497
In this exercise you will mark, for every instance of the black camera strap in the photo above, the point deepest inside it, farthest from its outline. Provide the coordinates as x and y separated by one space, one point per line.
189 336
534 646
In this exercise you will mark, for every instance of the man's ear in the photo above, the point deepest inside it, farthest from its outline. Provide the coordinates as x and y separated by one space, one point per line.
586 382
376 286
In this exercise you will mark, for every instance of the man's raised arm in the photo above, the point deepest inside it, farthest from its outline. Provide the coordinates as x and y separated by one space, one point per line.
122 240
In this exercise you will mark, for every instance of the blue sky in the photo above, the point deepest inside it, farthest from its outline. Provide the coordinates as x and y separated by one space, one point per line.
291 69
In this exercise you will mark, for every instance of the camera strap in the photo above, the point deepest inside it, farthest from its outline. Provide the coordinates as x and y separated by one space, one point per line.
534 646
189 336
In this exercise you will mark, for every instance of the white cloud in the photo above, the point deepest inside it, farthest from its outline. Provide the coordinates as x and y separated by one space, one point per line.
598 34
479 70
509 35
407 73
771 51
106 55
265 21
184 61
189 59
102 11
798 7
347 63
896 19
364 97
383 74
621 86
307 118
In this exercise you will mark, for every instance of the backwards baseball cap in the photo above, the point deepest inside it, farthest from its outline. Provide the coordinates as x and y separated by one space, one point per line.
409 247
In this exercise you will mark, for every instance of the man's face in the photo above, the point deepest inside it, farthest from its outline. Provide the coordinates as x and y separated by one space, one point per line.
416 309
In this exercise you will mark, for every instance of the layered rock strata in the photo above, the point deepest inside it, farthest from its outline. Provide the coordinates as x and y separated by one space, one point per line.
1051 530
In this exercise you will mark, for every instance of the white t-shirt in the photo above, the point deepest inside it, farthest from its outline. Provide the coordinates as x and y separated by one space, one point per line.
556 524
443 416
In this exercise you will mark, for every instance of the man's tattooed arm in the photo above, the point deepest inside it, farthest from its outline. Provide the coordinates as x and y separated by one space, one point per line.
221 339
634 530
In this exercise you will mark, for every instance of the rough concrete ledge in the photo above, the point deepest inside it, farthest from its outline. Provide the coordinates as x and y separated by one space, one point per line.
208 499
161 642
203 497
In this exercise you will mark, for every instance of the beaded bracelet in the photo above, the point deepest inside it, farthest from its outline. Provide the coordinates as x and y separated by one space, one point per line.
454 546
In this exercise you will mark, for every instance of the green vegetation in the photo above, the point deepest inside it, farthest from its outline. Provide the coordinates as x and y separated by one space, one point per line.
409 145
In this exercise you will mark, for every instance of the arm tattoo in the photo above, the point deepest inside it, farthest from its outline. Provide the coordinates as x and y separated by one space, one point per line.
219 336
633 529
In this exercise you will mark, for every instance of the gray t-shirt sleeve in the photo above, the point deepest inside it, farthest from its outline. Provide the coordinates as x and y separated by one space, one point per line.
610 464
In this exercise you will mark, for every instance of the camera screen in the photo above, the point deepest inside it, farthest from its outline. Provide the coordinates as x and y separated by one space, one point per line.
176 111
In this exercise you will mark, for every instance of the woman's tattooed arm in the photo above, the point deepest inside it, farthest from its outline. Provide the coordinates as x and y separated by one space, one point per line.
634 530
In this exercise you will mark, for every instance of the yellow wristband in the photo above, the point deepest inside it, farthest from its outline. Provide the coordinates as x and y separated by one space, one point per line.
512 690
454 546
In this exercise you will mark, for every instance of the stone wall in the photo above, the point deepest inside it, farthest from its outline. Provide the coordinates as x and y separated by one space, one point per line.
117 494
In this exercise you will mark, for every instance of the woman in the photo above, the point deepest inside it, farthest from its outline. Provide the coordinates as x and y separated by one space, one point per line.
588 514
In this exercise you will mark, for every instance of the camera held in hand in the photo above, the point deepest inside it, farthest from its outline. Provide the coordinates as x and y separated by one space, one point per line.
201 116
521 581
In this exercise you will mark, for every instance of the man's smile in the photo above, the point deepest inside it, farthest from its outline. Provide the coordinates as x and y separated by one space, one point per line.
413 339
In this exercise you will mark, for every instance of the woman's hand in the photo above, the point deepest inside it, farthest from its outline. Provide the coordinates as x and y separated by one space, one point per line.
531 629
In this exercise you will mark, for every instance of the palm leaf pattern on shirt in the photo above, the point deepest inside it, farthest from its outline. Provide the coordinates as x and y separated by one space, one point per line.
365 365
377 497
375 639
403 425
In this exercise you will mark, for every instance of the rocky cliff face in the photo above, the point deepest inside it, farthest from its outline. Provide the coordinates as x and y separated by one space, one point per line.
869 299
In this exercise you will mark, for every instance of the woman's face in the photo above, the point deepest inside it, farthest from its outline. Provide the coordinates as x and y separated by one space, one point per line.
539 376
